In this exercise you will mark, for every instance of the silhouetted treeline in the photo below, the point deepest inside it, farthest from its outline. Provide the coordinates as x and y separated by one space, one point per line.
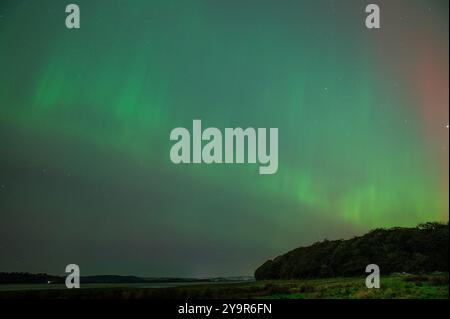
27 278
412 250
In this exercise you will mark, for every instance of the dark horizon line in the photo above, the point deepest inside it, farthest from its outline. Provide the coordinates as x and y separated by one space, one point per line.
35 277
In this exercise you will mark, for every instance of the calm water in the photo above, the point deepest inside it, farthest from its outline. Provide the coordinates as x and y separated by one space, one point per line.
85 286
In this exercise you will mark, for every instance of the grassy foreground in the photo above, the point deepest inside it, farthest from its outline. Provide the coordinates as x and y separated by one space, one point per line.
433 286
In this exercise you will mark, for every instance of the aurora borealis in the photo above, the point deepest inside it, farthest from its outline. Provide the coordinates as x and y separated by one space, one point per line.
85 118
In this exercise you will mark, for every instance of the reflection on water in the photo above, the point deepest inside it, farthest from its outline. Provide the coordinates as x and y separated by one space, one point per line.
15 287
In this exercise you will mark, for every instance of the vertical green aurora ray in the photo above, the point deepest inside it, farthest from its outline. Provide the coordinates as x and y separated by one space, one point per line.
353 154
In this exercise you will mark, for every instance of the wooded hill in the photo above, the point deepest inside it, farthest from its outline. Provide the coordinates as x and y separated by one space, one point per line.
412 250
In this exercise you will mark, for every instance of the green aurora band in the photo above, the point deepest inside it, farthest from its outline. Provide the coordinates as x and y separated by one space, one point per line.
85 117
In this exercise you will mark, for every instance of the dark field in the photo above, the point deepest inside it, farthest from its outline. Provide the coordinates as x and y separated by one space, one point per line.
403 286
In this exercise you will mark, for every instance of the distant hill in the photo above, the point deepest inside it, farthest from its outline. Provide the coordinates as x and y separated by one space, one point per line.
412 250
28 278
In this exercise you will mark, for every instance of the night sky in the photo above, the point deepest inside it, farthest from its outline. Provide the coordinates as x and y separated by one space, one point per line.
85 118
